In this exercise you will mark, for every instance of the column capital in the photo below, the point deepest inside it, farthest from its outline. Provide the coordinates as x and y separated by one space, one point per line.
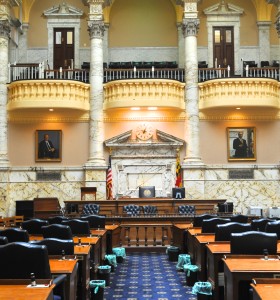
277 24
96 29
5 28
190 27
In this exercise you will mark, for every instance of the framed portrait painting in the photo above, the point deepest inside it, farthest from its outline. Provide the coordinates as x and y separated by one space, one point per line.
241 143
48 144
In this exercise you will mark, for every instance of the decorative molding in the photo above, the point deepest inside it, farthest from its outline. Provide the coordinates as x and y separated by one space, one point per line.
96 29
190 27
5 29
63 11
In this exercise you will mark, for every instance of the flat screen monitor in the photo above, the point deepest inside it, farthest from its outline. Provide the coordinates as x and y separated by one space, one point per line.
226 207
178 193
147 192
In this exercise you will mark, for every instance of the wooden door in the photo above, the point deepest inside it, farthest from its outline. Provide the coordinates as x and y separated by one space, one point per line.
63 52
223 47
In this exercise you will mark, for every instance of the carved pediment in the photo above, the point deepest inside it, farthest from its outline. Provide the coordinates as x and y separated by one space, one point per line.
224 9
63 10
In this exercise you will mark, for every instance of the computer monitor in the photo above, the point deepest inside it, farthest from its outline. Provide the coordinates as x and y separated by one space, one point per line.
147 192
178 193
226 207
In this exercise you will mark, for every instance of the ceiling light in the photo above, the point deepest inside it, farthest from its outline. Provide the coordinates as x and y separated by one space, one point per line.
238 108
50 109
152 108
135 108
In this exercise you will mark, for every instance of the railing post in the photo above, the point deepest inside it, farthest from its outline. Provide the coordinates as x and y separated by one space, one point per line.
9 73
247 70
228 71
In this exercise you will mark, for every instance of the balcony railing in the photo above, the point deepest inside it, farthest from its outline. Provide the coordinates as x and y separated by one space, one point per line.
38 71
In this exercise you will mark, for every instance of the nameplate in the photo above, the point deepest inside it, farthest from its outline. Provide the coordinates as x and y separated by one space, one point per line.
241 174
48 176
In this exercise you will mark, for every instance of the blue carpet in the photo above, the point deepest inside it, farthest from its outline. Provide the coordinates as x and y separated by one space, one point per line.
147 276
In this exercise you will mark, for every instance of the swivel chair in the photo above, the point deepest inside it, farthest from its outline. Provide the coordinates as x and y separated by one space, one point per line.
56 219
91 209
273 227
3 240
239 218
95 221
18 260
198 219
150 210
209 226
55 246
132 210
78 227
33 226
259 224
186 209
15 235
223 231
57 231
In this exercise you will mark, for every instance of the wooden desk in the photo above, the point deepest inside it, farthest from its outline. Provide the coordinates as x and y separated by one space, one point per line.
83 255
199 252
245 268
190 237
113 237
70 268
215 251
266 289
17 289
102 234
179 232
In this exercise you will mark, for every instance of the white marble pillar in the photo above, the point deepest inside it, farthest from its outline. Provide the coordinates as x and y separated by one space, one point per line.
190 27
96 134
106 43
264 40
4 50
181 47
22 54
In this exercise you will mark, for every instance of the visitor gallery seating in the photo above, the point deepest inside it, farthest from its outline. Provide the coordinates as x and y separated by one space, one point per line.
253 242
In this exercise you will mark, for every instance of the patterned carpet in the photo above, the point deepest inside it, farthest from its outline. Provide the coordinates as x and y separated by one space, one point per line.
147 276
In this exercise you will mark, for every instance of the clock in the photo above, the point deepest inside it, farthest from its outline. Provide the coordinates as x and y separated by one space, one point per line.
144 131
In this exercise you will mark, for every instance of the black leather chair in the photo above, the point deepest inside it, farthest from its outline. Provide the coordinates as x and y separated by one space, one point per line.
186 209
55 246
264 63
259 224
131 209
56 219
253 242
198 219
15 235
57 231
239 218
3 240
150 210
95 221
273 227
91 209
18 260
33 226
223 231
209 225
78 227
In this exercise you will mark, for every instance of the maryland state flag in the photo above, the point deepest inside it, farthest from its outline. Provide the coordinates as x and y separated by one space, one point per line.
109 181
178 182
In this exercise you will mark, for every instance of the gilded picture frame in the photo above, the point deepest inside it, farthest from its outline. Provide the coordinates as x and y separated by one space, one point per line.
241 143
48 145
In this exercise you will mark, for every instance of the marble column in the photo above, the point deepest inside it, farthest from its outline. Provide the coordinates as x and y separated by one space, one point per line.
181 50
264 40
96 135
190 27
22 54
4 50
106 43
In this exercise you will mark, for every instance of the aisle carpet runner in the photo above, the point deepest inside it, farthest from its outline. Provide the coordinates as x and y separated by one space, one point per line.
147 276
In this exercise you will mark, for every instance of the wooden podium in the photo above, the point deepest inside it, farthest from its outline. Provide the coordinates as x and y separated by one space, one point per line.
88 190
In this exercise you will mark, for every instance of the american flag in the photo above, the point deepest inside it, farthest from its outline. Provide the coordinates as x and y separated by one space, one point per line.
109 181
178 182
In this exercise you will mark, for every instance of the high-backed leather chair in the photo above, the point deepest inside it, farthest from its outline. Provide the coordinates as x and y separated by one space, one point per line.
150 210
18 260
91 209
273 227
239 218
57 231
55 246
3 240
78 227
197 220
95 221
253 242
259 224
186 209
223 231
33 226
209 225
57 219
132 209
15 235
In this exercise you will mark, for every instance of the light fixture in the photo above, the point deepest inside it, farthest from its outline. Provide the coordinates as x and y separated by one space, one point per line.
50 109
135 108
152 108
238 108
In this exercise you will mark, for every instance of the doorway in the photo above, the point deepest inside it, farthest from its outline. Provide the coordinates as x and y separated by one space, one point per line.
223 48
63 50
